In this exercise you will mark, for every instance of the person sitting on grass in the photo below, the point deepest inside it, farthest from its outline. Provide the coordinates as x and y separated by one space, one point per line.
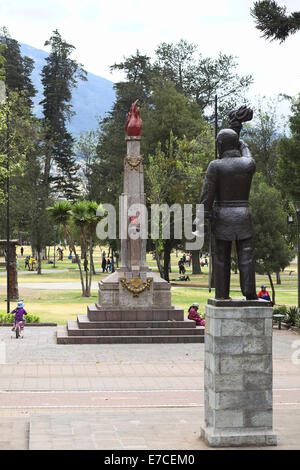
19 312
181 278
194 315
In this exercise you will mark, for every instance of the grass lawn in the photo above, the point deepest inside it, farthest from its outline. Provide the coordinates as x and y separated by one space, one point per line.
59 305
62 305
52 306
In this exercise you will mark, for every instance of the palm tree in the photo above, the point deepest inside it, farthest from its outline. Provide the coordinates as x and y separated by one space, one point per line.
86 219
83 216
80 218
61 214
92 221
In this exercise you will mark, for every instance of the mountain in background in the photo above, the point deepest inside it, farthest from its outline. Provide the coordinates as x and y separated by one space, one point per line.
91 99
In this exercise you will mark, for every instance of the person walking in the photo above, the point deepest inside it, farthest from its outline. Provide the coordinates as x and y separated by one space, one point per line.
104 265
181 266
27 263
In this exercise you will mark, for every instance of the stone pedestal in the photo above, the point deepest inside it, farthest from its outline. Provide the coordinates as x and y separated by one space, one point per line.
238 374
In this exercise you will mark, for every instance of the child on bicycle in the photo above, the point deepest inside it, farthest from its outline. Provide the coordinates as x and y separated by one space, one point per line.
19 313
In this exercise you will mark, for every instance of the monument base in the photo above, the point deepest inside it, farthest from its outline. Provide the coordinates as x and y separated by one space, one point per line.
239 438
238 375
133 307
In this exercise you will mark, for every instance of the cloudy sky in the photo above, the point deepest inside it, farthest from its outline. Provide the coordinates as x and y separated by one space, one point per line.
104 31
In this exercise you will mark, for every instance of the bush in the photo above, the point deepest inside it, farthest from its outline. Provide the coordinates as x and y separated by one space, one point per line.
292 316
281 310
8 318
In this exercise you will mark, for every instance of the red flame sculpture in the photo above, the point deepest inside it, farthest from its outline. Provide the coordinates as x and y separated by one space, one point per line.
134 122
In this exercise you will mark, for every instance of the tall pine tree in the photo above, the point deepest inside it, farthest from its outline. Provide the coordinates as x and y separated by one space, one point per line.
59 76
17 68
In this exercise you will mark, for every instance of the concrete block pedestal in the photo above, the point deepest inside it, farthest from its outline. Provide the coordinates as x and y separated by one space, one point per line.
238 374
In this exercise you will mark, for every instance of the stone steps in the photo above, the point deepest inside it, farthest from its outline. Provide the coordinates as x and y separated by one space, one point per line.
84 323
74 330
108 326
96 314
64 338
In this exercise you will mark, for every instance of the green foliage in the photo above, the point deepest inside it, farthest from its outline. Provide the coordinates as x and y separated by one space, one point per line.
86 153
201 78
15 68
8 318
78 220
273 20
169 111
175 175
198 78
269 219
16 127
174 89
282 310
292 317
262 137
288 175
59 76
2 63
271 250
60 213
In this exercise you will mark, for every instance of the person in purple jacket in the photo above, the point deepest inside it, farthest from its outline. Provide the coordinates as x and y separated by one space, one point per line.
194 315
19 313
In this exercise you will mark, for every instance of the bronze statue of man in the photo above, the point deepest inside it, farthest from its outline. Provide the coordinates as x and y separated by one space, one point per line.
225 197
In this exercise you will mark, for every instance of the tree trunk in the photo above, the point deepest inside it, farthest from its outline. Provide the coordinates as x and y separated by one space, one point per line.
39 269
72 245
278 279
167 256
112 261
212 257
91 270
157 257
196 267
83 251
272 287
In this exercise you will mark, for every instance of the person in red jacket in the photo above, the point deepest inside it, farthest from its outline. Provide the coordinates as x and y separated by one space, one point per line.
263 293
194 315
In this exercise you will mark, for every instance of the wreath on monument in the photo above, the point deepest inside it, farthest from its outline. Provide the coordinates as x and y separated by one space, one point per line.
136 285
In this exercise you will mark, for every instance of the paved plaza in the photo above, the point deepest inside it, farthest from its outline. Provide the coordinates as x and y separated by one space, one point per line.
121 397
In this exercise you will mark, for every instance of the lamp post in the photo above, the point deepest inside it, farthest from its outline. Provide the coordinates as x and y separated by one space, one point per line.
296 205
7 213
3 93
55 231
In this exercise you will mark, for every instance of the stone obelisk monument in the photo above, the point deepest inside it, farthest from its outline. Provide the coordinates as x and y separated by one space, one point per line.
134 303
133 284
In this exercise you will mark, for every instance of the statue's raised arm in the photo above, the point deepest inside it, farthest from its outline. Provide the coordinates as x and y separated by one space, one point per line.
236 117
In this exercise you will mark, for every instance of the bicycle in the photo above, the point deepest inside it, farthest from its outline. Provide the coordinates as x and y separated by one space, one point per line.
19 327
